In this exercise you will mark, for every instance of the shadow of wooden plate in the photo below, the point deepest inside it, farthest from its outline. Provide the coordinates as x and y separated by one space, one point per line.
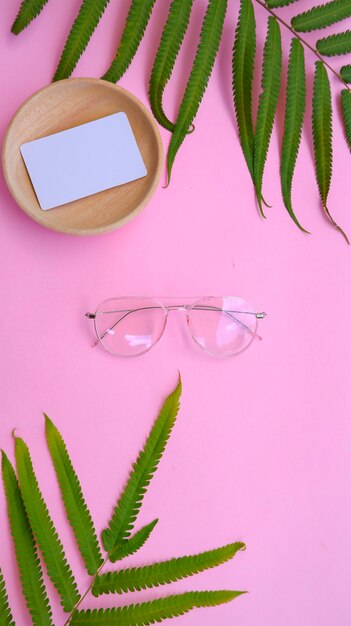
63 105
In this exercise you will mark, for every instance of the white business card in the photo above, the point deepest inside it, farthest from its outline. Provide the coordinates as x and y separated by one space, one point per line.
83 160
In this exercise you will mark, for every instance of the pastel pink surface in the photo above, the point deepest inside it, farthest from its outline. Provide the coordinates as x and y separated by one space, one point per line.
261 450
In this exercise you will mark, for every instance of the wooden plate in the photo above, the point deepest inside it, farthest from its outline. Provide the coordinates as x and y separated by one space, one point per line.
63 105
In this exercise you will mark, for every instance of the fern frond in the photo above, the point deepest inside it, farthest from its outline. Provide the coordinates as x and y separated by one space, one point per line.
171 40
26 555
136 23
321 16
345 73
153 611
129 503
268 100
6 618
77 511
346 113
243 62
164 572
44 530
210 36
294 114
132 545
28 11
335 44
88 17
322 135
276 4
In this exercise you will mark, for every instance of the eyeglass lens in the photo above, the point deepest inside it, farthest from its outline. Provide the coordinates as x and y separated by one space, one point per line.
222 326
129 326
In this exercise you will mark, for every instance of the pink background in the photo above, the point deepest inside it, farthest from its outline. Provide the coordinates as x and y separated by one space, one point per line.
261 451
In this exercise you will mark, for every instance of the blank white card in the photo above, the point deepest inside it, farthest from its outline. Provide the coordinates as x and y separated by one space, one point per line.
80 161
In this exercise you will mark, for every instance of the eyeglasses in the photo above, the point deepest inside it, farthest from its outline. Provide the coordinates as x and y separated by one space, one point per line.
129 326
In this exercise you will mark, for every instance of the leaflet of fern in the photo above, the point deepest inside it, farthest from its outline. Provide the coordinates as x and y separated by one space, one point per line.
137 20
6 618
294 114
276 4
153 611
164 572
345 73
322 136
268 100
28 11
243 61
77 511
43 528
206 53
321 16
129 503
88 17
31 575
322 130
346 112
335 44
171 40
133 544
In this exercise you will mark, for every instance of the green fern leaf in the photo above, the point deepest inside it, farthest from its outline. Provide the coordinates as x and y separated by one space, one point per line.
268 100
29 10
294 114
171 40
136 23
132 545
44 530
210 36
88 17
322 135
6 618
276 4
321 16
346 112
77 511
129 503
345 73
26 555
322 130
335 44
243 61
164 572
154 611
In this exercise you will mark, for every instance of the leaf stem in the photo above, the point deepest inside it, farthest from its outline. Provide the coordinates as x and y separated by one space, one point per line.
79 602
336 225
86 592
304 42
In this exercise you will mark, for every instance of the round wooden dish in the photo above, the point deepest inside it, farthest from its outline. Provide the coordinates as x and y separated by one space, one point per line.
63 105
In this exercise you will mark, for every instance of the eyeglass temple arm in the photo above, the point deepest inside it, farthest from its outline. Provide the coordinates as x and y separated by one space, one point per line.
262 315
257 315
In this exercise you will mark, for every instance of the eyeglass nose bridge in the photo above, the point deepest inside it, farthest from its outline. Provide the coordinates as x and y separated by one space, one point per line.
184 308
177 307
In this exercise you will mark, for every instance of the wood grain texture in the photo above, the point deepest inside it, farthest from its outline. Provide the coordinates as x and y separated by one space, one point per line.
66 104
